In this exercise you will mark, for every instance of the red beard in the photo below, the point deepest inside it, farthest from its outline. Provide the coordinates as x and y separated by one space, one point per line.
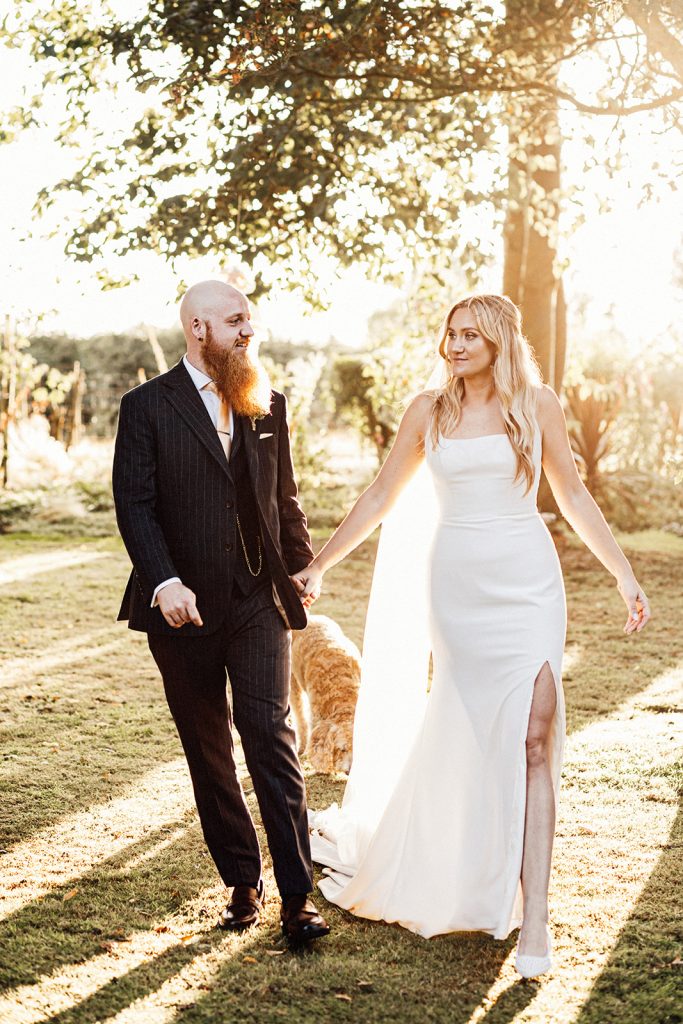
241 380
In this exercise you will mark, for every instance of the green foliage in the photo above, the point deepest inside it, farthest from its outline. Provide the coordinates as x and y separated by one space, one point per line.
111 363
16 507
96 495
351 389
300 379
626 426
277 128
117 356
372 390
633 500
44 383
593 410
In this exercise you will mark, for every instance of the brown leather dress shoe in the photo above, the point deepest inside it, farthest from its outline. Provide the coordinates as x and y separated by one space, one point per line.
301 921
246 903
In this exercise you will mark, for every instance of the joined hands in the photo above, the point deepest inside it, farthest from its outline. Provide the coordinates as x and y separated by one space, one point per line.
308 582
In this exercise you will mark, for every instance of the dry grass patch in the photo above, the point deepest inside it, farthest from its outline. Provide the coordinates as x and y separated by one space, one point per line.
109 898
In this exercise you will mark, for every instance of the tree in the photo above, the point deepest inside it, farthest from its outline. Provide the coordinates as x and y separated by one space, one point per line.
276 128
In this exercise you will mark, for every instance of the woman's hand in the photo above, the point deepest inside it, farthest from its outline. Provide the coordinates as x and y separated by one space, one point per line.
309 584
636 602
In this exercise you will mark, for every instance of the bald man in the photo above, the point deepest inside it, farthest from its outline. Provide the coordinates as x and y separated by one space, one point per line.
206 503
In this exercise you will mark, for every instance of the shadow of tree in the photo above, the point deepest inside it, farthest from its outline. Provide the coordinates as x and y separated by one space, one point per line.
113 901
80 746
642 983
124 990
612 668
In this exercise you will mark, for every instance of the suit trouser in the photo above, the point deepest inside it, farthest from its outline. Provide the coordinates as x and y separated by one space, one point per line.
253 646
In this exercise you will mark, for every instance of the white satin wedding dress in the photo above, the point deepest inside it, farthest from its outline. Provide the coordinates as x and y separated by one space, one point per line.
430 832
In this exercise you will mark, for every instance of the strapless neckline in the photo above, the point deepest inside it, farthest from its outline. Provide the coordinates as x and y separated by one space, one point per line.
480 437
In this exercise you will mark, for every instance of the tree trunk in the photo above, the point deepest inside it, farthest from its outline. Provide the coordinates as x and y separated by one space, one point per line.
514 231
530 274
160 358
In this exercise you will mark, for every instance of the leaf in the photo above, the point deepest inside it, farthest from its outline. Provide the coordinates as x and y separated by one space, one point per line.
161 928
342 997
249 960
69 895
187 938
275 952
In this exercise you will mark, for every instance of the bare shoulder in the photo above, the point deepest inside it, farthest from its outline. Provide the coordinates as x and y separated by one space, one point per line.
548 407
418 413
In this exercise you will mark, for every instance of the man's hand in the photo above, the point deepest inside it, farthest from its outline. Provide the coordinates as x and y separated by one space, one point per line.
309 583
178 605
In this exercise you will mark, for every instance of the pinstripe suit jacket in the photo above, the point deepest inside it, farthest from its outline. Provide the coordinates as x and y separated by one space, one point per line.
175 500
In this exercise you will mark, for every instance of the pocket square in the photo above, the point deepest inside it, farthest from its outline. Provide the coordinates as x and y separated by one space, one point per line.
262 437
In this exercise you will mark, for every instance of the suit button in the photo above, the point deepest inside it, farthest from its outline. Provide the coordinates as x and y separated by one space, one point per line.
228 547
229 504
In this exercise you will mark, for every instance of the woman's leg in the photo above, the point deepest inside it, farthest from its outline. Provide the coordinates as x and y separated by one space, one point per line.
539 828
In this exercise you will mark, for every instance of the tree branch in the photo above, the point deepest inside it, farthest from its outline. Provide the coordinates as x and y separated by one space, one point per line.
658 36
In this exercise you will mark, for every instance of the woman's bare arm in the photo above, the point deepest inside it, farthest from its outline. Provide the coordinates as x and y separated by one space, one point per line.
580 510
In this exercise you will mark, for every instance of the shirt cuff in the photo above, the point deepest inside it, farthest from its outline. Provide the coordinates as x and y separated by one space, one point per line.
173 579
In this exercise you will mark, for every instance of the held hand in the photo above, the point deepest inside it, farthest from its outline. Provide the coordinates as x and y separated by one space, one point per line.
309 583
298 583
178 605
637 604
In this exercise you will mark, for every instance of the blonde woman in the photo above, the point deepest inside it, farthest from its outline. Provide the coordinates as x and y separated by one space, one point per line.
458 834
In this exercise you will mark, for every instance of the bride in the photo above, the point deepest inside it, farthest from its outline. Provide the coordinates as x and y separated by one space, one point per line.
448 816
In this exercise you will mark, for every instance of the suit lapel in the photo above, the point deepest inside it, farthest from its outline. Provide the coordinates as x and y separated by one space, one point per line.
185 399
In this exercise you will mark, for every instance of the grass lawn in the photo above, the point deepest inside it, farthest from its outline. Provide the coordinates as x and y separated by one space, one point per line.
108 898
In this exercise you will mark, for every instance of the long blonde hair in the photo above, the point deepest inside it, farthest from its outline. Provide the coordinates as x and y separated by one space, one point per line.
516 377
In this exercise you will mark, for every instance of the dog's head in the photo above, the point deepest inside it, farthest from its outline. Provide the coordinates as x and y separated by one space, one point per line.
331 746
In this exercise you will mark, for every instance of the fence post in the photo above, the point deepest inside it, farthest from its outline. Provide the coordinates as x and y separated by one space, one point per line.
74 418
7 393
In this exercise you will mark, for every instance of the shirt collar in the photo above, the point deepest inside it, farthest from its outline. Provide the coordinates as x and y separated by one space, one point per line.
199 378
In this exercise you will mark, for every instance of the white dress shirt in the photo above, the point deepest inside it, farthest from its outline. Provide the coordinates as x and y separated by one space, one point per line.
212 402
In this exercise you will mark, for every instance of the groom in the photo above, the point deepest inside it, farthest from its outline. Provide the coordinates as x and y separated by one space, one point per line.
207 508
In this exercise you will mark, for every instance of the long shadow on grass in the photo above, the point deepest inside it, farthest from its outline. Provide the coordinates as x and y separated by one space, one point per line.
642 982
612 668
111 901
401 973
78 748
38 797
118 993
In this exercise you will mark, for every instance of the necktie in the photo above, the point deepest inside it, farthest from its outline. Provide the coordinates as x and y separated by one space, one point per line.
223 421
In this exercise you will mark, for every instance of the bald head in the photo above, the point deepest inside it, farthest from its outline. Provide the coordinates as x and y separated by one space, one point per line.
208 300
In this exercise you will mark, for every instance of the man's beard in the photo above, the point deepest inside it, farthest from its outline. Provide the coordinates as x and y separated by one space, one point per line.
241 380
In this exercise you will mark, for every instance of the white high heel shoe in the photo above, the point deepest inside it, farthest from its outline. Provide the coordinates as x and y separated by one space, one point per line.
532 966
